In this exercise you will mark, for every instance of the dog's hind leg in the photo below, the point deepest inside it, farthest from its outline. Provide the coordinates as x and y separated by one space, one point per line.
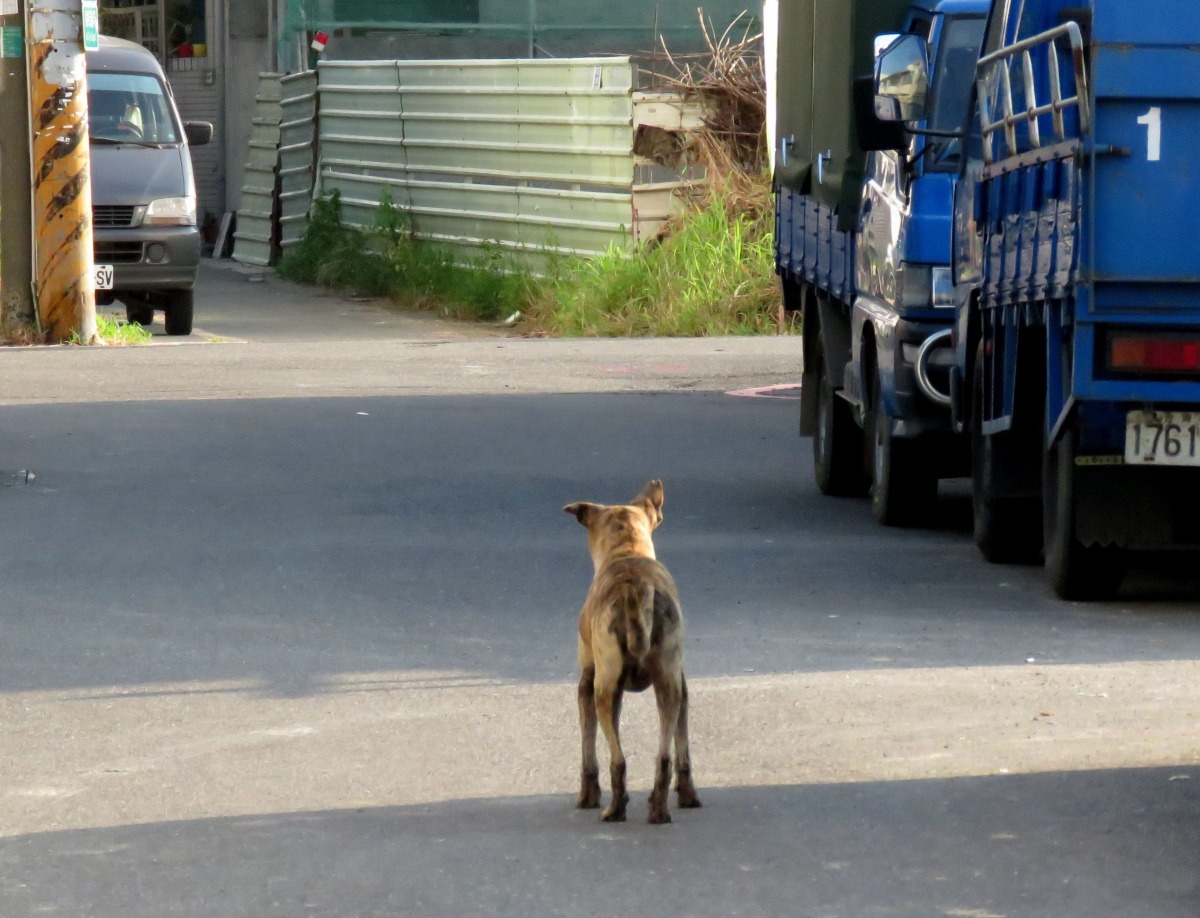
589 777
684 788
608 690
669 697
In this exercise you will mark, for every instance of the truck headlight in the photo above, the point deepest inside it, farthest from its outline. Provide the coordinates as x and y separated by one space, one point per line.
171 212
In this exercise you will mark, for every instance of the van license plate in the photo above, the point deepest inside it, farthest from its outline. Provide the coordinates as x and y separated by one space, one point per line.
104 277
1162 438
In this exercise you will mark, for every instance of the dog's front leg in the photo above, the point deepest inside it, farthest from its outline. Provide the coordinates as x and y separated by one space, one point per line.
608 711
589 777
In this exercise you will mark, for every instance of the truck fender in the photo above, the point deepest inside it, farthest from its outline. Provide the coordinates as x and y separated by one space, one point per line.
873 351
833 338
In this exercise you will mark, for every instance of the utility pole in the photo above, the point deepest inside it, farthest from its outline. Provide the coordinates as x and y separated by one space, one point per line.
16 228
62 188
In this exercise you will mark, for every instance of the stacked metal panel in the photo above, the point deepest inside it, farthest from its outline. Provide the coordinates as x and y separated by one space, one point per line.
255 238
529 159
297 154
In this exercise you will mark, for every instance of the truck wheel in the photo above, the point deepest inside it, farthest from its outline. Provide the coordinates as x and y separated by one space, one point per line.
1007 530
178 312
1074 570
838 442
903 488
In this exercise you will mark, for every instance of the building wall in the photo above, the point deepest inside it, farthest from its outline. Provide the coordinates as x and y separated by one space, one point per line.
199 98
248 52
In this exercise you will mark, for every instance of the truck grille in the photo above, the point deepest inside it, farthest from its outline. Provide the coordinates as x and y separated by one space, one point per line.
118 253
112 215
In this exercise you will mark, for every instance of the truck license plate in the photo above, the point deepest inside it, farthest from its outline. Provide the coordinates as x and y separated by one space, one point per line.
1162 438
104 277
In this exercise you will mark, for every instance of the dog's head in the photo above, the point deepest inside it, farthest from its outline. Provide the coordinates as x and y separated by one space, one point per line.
623 529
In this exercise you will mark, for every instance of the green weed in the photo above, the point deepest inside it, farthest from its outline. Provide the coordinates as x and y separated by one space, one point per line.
711 274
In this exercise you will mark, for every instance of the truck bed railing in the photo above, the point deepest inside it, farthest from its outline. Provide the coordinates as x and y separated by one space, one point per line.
997 67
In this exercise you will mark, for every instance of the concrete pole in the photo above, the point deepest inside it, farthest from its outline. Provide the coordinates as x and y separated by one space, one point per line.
16 228
62 188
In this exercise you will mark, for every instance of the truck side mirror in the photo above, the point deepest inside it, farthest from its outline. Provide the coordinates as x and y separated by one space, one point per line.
901 79
873 132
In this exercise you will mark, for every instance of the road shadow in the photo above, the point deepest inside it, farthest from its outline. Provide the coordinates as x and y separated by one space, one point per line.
1078 844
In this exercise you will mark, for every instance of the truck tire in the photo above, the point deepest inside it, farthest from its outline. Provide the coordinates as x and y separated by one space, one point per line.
903 487
180 304
1074 571
1007 530
837 443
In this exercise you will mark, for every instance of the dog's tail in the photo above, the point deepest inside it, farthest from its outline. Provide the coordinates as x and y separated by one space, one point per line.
639 618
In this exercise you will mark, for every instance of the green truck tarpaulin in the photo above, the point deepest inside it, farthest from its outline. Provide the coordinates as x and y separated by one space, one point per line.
823 46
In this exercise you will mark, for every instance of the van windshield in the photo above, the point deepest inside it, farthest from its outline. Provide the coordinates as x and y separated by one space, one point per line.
130 108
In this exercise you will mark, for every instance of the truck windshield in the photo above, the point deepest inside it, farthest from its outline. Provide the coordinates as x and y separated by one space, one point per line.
130 108
951 92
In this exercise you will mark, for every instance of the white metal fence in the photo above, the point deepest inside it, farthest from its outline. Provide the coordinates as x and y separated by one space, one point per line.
531 157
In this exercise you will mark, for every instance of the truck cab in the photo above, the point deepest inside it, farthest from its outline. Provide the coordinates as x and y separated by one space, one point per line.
898 377
864 190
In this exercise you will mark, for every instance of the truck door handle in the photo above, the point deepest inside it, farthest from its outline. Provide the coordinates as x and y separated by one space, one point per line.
822 159
783 149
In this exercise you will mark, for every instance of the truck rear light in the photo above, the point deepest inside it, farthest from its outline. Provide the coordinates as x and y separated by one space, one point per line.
1153 353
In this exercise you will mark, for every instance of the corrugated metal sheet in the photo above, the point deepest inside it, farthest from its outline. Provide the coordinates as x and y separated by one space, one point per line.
254 240
534 157
297 155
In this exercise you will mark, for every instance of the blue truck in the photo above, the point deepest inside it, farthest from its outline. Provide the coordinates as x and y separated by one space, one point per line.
863 239
1076 274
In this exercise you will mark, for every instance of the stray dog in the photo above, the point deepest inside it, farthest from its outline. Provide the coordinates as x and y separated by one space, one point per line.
631 637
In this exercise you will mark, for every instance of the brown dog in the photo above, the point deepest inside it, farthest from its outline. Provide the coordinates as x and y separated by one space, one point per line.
631 637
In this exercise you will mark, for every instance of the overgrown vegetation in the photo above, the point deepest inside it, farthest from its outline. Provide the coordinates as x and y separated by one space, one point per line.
115 331
110 330
386 261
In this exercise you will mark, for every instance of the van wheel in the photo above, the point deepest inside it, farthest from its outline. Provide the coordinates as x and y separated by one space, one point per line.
139 314
903 487
837 443
178 311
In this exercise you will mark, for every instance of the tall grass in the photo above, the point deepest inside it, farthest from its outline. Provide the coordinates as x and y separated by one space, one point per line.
711 273
388 261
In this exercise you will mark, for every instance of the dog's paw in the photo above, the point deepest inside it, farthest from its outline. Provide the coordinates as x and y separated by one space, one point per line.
588 800
688 800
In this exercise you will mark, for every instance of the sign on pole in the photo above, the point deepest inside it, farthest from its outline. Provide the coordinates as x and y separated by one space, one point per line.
91 25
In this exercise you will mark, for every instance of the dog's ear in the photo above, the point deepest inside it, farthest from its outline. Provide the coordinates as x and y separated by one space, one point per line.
651 500
583 511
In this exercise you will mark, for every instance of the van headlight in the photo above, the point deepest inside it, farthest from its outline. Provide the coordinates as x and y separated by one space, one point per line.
171 212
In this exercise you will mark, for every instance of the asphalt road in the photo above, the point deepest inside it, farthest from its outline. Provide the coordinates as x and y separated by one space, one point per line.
287 628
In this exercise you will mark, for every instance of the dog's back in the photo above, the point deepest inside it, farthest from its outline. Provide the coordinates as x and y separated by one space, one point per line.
634 600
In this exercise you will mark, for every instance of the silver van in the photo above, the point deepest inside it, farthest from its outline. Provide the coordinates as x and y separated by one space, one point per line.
147 243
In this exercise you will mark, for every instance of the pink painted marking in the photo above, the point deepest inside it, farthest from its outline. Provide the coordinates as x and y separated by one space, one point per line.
768 392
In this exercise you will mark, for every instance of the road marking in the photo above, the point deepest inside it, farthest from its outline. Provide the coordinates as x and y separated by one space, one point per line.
769 392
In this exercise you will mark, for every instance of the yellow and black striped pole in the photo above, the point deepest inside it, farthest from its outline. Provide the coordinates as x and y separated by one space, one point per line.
62 191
